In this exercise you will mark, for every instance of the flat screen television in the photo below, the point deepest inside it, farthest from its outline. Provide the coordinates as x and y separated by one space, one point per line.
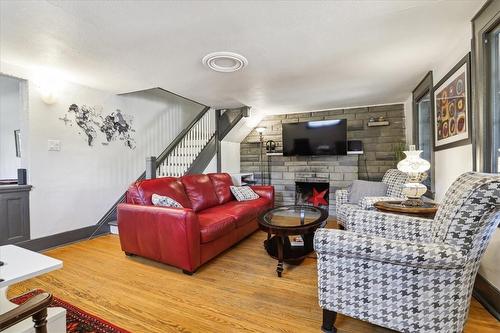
323 137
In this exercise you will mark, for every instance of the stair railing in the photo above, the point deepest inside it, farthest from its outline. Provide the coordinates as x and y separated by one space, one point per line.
177 159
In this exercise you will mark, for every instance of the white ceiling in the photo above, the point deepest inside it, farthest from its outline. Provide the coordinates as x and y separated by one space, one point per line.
303 55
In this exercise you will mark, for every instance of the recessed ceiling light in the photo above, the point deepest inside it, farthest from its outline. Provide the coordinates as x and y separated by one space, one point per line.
225 62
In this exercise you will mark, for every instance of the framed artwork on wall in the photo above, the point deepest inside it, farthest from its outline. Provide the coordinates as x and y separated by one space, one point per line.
17 141
452 108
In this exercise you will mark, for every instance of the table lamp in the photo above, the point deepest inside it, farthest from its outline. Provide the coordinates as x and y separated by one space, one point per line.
416 167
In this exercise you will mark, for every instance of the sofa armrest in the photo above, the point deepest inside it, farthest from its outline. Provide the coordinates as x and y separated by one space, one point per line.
393 226
168 235
264 191
355 245
368 202
342 197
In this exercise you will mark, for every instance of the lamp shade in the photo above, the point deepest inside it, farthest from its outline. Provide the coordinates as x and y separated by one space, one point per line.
413 163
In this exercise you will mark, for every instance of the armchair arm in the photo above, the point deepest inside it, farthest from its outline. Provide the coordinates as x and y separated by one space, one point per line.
168 235
367 202
393 226
342 196
35 307
423 255
265 192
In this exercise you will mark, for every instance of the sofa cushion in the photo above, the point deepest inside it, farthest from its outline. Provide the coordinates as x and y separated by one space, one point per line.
242 211
141 192
164 201
221 183
244 193
214 226
200 191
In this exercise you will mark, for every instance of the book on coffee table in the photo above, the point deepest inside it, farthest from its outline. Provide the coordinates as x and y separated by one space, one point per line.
296 241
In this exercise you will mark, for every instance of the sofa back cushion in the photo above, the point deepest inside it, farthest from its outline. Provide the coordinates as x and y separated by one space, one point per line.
200 191
221 183
140 193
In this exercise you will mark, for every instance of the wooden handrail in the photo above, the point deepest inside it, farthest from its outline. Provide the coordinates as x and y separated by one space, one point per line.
179 137
35 307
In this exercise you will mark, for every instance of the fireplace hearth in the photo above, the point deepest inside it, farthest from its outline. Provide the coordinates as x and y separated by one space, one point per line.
312 193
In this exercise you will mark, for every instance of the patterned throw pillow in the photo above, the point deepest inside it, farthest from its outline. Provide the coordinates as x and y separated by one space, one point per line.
243 193
164 201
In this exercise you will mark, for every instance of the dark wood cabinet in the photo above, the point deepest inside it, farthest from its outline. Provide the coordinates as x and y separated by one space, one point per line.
14 213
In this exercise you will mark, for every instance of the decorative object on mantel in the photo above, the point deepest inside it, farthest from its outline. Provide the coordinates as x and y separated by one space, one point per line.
452 111
270 146
416 167
115 125
261 130
377 121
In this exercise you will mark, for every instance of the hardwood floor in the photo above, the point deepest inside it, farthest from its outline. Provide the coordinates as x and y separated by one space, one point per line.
236 292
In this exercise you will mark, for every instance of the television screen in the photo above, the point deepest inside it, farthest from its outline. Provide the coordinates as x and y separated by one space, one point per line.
323 137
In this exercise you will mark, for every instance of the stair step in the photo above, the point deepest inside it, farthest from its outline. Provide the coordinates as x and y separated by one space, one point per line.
113 227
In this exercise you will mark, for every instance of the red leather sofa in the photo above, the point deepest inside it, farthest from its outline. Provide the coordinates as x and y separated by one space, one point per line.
210 222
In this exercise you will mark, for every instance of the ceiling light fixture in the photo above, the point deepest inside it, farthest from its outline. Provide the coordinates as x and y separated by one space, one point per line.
225 62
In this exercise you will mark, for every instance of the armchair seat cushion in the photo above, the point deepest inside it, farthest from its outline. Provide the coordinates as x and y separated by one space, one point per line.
214 226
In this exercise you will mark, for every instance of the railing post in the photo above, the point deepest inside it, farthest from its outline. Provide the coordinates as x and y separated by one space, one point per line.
151 167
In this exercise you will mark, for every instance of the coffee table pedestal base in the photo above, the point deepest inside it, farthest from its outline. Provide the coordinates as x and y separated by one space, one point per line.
279 248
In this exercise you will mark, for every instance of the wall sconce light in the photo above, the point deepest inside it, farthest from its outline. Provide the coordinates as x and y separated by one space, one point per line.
49 83
48 95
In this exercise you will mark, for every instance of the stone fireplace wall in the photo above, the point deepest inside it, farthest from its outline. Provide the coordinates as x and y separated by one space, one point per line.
339 171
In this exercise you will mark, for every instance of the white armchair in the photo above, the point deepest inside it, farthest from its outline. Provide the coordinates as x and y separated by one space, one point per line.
394 180
410 274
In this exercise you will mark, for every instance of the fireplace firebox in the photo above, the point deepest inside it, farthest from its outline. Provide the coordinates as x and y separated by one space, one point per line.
312 193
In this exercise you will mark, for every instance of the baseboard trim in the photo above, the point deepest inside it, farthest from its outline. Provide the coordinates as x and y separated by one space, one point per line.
487 295
48 242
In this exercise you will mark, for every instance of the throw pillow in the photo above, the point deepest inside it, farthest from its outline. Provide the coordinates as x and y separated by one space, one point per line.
164 201
243 193
363 188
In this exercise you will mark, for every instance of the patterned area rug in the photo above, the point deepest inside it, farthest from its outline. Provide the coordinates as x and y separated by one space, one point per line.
77 320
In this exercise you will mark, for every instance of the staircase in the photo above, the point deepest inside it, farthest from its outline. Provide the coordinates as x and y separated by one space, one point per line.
178 159
189 153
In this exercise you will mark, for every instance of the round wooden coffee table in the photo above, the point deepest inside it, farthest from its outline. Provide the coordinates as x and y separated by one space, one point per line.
427 210
285 221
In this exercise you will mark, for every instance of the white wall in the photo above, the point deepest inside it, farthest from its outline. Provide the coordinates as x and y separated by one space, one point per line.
230 157
74 187
408 104
10 120
451 163
212 165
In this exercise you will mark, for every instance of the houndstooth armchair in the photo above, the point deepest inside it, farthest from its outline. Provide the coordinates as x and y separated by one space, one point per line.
410 274
394 180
